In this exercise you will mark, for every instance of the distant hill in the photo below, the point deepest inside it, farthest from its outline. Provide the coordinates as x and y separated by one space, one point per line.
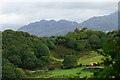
51 27
61 27
102 23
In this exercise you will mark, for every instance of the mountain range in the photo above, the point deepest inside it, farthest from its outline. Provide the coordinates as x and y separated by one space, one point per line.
102 23
61 27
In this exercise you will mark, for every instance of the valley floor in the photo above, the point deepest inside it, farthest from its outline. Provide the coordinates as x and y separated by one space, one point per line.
73 72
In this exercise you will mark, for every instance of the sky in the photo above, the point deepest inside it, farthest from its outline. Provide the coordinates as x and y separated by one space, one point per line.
16 13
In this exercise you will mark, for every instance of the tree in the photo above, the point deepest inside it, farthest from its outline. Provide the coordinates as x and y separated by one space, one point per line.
38 63
60 40
81 45
94 41
28 63
15 59
51 45
20 74
69 61
45 59
41 50
71 42
8 71
112 63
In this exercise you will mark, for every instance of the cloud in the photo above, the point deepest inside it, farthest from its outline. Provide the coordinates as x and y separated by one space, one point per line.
61 0
27 6
26 12
10 18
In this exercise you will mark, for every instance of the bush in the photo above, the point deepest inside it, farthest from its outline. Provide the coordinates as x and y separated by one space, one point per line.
80 65
69 61
20 73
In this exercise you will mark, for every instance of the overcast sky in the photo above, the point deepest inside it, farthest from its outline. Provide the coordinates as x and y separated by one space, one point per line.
24 12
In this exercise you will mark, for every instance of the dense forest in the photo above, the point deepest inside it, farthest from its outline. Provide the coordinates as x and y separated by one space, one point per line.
23 52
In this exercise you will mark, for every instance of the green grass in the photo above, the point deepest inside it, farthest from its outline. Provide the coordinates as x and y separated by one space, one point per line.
85 74
56 59
90 58
65 73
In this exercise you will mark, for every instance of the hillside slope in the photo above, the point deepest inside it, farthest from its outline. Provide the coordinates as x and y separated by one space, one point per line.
102 23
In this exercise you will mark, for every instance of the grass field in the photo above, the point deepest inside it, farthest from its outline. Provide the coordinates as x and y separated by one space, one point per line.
65 73
90 58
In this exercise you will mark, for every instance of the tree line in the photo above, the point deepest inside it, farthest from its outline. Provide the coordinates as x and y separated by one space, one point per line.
21 50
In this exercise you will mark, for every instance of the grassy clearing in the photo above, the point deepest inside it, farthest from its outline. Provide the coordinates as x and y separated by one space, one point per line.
65 73
90 58
56 59
85 74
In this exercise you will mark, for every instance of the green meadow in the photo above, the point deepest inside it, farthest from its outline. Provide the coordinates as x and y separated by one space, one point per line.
64 73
